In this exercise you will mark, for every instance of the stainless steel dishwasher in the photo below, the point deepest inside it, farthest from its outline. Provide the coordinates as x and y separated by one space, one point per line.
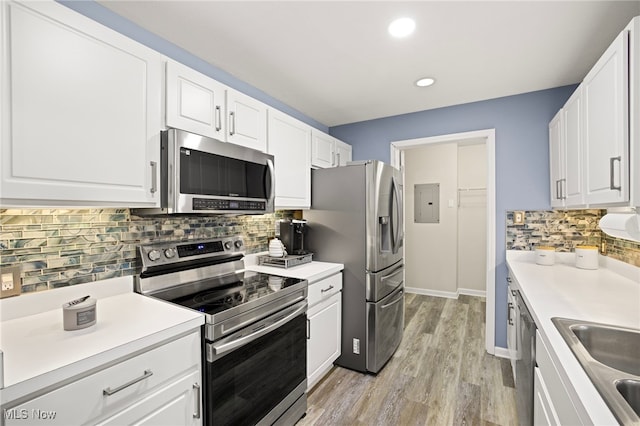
525 364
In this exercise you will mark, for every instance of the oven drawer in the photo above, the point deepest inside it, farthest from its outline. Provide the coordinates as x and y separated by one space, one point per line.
324 289
114 389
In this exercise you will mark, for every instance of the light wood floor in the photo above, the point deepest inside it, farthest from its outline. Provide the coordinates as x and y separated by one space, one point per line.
440 375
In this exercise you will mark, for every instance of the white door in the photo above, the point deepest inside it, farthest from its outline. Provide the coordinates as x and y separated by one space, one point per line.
556 160
573 188
606 126
323 346
343 152
246 121
195 102
289 141
323 146
81 111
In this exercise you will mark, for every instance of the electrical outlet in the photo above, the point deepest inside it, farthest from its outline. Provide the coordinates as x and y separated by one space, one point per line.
518 218
356 346
10 284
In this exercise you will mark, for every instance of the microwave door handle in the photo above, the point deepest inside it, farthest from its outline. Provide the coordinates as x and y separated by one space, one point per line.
272 178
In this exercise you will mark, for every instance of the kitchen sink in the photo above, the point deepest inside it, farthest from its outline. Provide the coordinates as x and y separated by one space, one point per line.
630 391
610 356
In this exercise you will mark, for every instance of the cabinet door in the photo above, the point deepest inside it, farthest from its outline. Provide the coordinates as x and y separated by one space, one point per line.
343 153
247 121
81 112
606 126
177 403
323 149
544 413
324 340
556 160
573 188
195 102
289 141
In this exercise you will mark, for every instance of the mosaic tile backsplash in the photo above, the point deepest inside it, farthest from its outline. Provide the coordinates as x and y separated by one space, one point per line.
57 247
565 230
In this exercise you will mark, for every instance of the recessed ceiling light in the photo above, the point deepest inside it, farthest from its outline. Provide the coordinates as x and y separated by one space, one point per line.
402 27
424 82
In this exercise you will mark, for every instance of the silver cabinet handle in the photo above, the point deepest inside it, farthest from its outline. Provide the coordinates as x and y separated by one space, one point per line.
509 319
109 391
154 177
338 159
563 184
198 413
218 118
308 329
508 279
558 189
232 123
324 290
612 184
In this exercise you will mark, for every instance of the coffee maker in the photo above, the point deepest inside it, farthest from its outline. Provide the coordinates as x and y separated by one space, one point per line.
292 233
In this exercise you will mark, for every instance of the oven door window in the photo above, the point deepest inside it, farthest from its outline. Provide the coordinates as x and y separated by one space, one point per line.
202 173
249 382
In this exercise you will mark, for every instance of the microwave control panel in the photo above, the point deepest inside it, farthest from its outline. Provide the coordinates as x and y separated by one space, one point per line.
223 204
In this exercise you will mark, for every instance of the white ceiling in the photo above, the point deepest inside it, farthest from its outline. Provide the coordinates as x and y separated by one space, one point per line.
335 62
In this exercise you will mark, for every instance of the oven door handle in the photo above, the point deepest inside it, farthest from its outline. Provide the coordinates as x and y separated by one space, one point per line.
223 347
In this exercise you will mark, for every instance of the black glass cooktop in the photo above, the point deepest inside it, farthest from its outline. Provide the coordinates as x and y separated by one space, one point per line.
253 286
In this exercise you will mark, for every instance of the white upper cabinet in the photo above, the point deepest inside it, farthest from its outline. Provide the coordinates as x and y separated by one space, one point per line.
289 141
323 150
195 102
606 136
246 121
556 159
596 137
343 153
573 186
81 111
328 151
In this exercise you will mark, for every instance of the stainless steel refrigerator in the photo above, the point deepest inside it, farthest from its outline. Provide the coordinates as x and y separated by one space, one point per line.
356 219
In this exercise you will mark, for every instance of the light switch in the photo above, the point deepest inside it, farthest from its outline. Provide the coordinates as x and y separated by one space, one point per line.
518 218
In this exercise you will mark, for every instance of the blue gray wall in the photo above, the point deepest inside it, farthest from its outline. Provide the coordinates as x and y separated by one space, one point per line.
522 155
106 17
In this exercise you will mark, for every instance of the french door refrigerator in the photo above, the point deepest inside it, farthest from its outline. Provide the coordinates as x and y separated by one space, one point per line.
356 219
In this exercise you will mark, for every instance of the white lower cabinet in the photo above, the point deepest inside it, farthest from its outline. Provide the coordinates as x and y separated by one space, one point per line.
544 413
324 327
160 386
512 326
552 403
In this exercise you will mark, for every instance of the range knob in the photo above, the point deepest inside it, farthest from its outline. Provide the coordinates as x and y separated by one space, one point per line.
169 253
238 244
228 245
154 255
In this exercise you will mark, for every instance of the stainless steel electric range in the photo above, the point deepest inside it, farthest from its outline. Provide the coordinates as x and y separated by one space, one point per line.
255 333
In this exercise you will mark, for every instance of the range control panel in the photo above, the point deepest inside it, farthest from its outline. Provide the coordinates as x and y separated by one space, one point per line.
170 252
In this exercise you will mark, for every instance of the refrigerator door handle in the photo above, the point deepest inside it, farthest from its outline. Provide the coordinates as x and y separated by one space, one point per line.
397 233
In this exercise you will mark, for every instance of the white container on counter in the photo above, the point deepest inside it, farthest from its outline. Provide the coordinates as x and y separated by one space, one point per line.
587 257
545 255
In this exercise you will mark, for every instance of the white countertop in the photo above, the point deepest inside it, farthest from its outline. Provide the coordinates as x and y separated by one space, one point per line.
312 271
610 295
39 353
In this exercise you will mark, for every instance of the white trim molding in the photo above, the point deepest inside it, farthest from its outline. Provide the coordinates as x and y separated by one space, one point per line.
488 136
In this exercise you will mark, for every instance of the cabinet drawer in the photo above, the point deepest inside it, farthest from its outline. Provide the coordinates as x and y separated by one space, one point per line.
88 398
323 289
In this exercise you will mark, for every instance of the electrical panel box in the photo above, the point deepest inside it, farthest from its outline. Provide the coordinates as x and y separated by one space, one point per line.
427 203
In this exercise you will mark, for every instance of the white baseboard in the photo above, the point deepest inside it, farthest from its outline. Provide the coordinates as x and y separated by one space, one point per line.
446 294
501 352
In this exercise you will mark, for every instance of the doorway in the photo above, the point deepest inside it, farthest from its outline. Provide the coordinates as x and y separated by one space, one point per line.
465 197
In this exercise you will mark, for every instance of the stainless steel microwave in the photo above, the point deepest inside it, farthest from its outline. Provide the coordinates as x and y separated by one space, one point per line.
203 175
